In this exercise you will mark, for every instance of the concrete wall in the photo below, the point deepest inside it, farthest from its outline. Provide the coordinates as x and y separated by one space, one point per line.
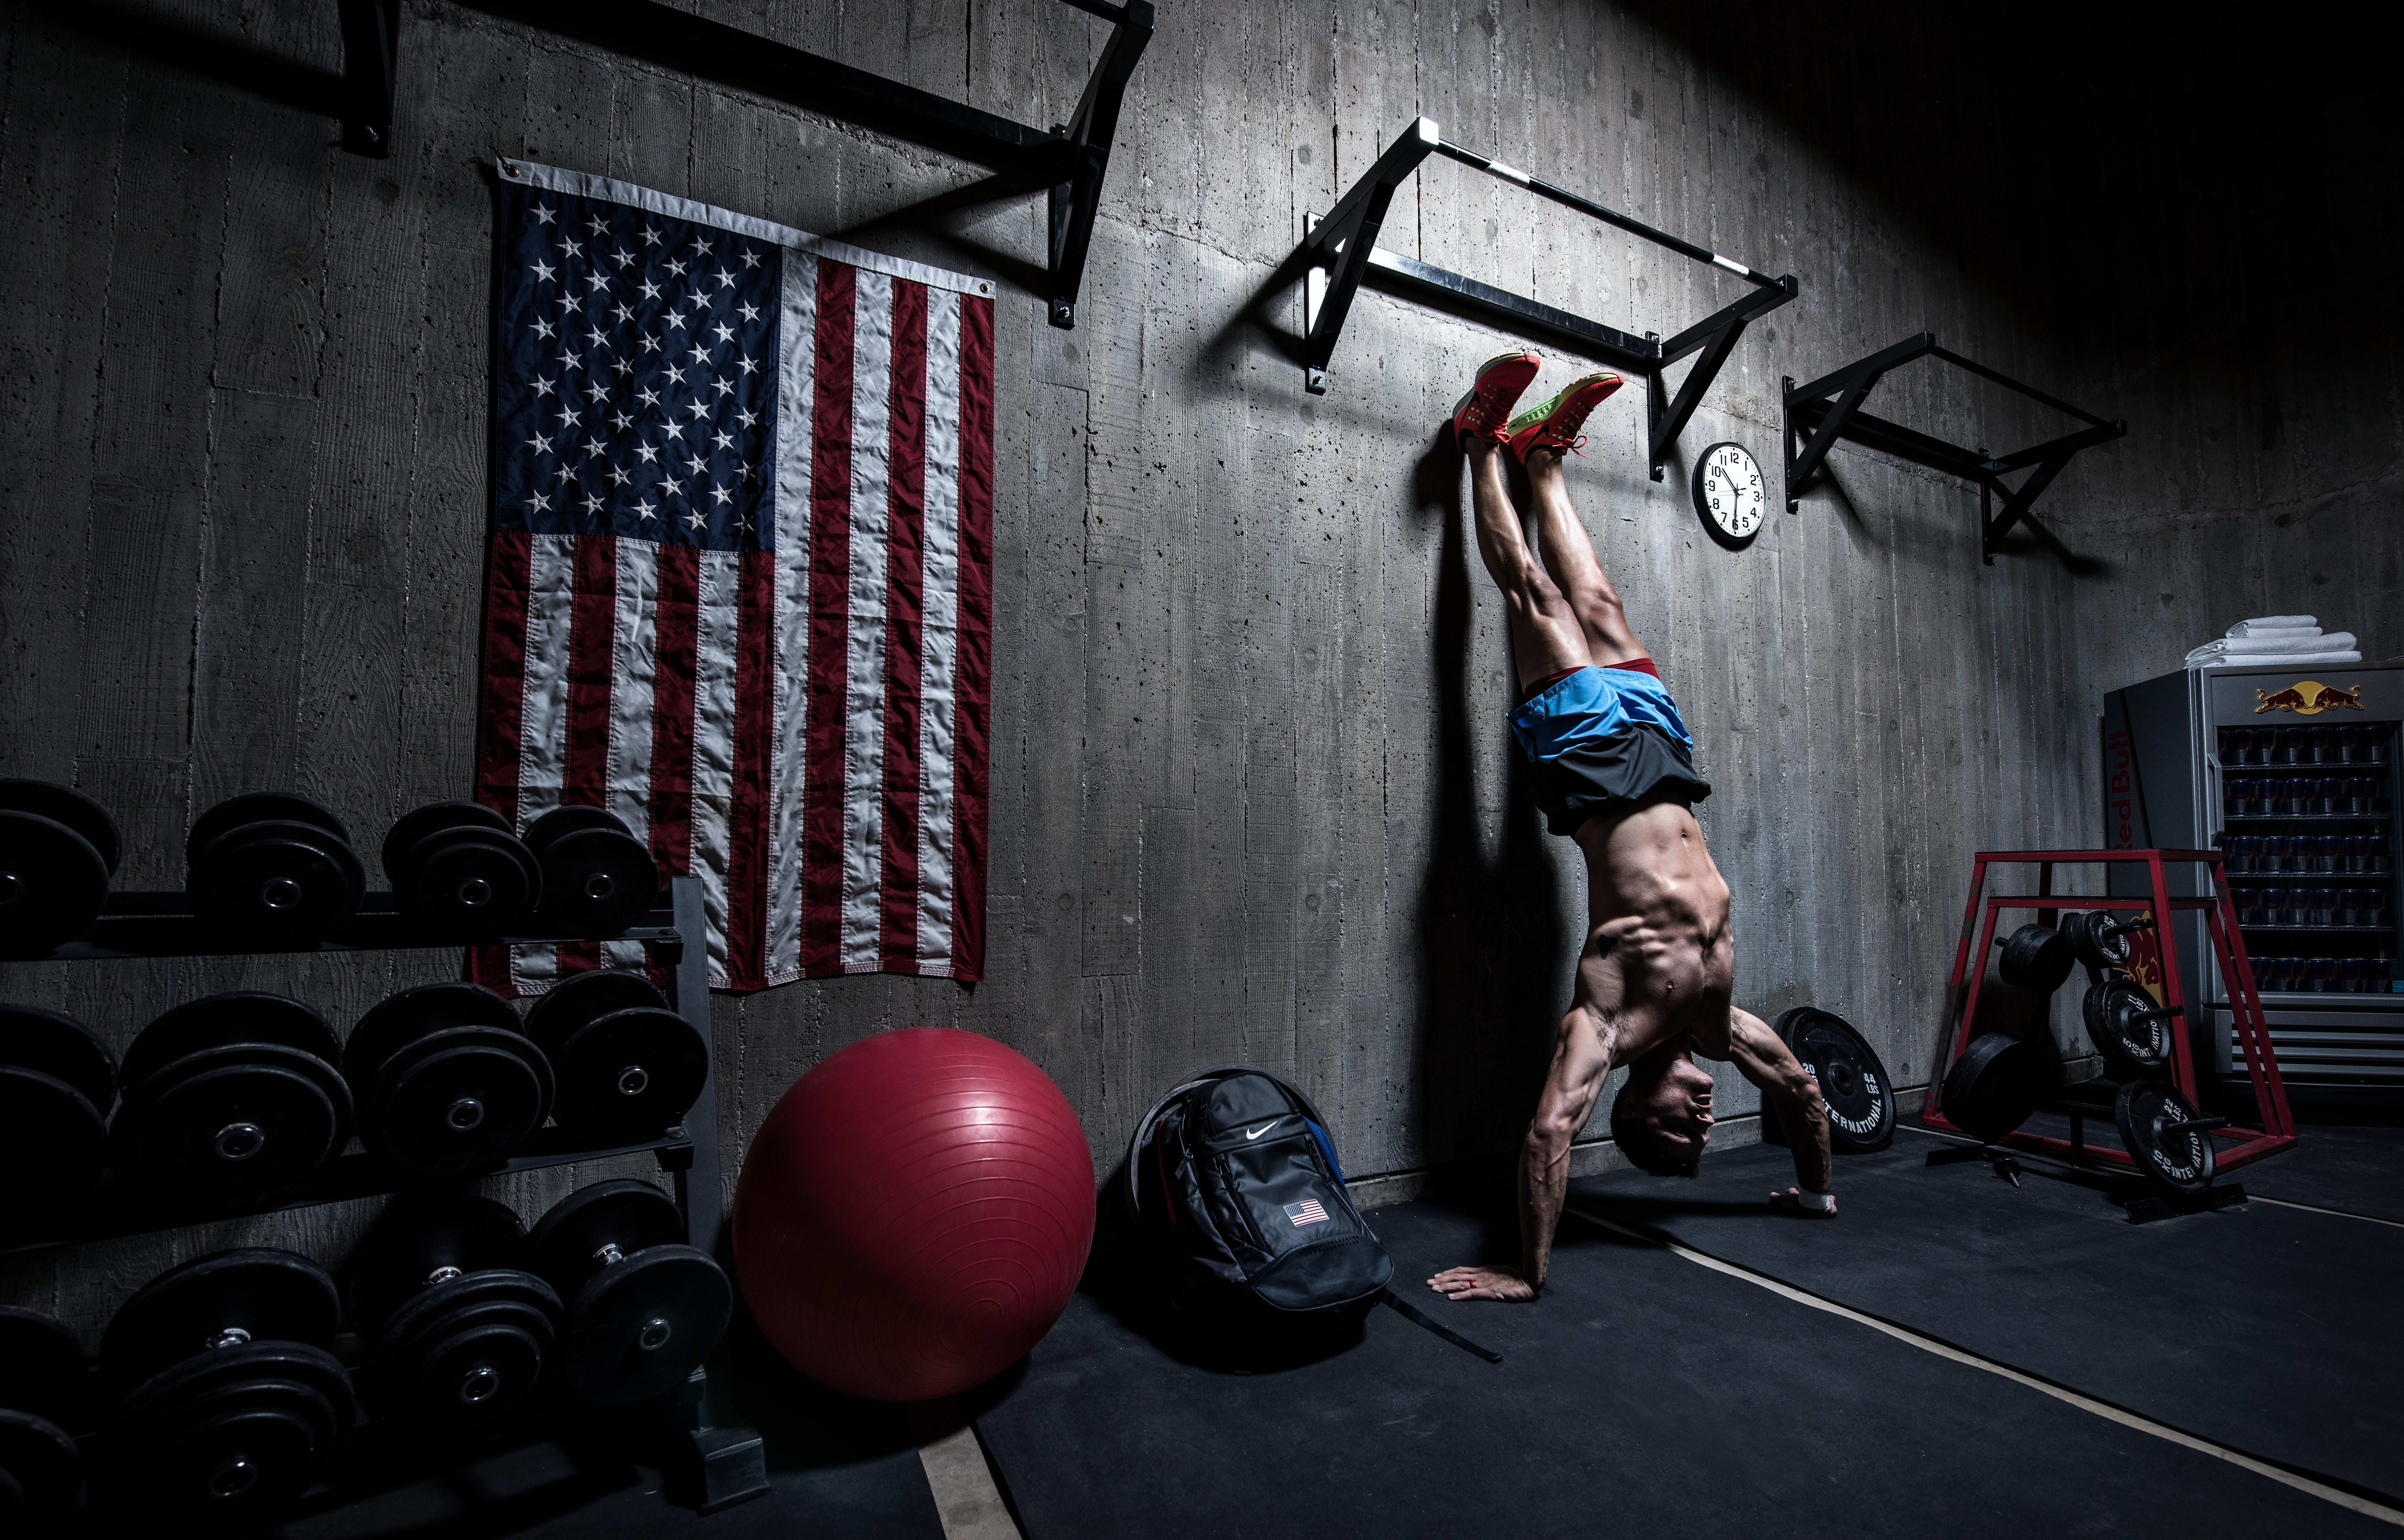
1251 793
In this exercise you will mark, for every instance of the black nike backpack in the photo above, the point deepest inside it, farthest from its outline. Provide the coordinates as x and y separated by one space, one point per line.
1233 1180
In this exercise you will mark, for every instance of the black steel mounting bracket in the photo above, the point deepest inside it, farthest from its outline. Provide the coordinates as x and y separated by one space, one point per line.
1067 164
1342 251
1830 407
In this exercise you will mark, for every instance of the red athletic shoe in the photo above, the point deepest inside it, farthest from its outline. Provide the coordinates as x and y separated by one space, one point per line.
1554 425
1486 408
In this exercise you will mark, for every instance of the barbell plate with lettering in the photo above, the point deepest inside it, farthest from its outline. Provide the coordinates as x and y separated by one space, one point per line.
2134 1046
1854 1084
2180 1162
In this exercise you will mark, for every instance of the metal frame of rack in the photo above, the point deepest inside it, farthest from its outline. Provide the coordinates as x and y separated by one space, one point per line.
715 1468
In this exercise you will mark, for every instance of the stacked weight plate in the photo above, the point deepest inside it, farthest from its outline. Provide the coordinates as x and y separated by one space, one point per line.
628 1066
446 1082
458 872
271 869
43 1393
231 1101
461 1331
597 879
57 1085
229 1404
643 1308
58 851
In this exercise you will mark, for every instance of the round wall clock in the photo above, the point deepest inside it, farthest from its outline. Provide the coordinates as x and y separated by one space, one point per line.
1729 494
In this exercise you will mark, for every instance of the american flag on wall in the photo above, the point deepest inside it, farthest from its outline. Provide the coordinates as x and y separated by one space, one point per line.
740 588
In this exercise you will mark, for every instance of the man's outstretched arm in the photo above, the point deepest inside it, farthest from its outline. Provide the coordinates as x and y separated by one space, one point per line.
1769 1064
1580 1059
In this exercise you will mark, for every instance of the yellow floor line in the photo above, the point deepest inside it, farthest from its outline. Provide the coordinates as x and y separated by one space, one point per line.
2083 1403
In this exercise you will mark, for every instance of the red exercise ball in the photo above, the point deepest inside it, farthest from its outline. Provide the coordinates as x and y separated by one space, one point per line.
914 1214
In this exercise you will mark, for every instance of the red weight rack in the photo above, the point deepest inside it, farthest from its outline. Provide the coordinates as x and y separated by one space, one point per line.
2238 1146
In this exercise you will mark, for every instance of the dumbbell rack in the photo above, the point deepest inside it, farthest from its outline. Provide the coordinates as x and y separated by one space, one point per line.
2235 1146
720 1466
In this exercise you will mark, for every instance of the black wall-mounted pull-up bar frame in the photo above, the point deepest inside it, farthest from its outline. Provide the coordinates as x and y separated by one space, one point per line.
1068 163
1830 407
1343 253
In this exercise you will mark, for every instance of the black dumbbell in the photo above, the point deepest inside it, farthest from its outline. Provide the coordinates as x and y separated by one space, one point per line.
2100 940
445 1081
628 1066
229 1403
461 1329
57 1085
597 879
58 849
457 870
44 1393
2036 958
273 869
231 1101
644 1308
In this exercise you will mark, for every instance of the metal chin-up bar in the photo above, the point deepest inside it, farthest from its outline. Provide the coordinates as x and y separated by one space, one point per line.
1343 252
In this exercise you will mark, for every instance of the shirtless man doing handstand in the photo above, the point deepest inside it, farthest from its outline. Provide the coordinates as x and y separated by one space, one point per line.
1613 769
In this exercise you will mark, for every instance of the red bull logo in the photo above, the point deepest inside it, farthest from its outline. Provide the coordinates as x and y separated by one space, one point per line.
2144 965
2309 698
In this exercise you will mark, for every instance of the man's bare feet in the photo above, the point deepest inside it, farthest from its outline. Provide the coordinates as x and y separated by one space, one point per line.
1504 1283
1791 1202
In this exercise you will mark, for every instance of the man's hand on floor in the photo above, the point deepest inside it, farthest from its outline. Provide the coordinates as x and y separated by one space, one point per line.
1459 1284
1791 1202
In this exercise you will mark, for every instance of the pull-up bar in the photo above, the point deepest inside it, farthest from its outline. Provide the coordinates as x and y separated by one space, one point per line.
1066 163
1829 409
1343 252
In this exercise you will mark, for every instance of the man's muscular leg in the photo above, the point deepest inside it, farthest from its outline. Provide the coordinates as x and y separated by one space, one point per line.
1545 634
1570 557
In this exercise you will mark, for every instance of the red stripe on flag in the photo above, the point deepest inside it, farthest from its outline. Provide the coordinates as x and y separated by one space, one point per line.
501 719
905 540
746 861
830 623
591 656
973 710
676 625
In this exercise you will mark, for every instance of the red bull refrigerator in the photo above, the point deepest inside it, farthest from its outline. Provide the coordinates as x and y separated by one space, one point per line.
2290 772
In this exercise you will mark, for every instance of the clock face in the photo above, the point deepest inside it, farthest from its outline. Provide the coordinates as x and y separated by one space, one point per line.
1729 492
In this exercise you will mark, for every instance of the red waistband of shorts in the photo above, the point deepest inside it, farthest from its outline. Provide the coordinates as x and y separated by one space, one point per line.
1641 665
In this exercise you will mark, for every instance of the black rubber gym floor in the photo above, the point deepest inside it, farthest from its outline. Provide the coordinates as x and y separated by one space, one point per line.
2266 1328
1644 1394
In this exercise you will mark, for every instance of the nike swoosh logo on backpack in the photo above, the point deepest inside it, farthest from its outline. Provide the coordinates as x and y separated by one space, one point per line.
1255 1133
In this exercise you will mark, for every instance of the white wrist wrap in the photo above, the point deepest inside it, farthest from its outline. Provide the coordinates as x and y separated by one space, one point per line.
1818 1203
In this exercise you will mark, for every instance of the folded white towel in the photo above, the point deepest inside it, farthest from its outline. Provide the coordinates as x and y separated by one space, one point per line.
2271 646
2262 623
2291 660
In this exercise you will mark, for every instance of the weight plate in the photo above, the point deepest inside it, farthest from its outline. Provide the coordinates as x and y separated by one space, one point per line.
2181 1163
41 1462
582 997
65 805
410 1013
276 883
60 1047
399 1358
237 1016
638 1328
2134 1046
327 1425
42 1367
570 820
566 1243
52 884
630 1075
435 1301
415 1239
260 807
433 818
239 1467
2036 958
460 1100
1993 1088
2095 937
294 1374
49 1127
264 1293
1852 1082
462 1384
470 884
595 882
271 1055
231 1134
